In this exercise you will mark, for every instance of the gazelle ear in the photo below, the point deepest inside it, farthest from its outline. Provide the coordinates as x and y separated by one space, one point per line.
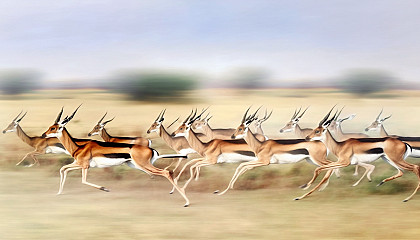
351 116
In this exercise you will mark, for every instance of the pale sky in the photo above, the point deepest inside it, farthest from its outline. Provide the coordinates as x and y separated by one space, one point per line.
292 39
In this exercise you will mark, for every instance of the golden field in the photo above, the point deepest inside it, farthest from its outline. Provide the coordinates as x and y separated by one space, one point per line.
260 207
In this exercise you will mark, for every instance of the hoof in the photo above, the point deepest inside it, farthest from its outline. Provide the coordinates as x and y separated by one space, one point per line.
104 189
186 205
380 184
405 200
370 180
171 192
216 192
304 185
296 199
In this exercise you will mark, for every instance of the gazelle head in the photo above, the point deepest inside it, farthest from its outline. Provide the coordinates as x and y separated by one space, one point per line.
291 125
199 123
99 126
258 122
157 123
243 128
319 132
187 123
57 128
336 122
377 124
15 122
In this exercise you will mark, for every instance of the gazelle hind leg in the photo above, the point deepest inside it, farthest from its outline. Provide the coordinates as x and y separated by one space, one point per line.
197 165
84 181
36 162
26 155
356 170
369 169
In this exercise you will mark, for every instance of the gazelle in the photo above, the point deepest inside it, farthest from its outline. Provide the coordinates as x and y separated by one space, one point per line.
202 126
361 151
214 151
378 125
100 129
339 135
276 151
178 144
293 126
42 145
106 154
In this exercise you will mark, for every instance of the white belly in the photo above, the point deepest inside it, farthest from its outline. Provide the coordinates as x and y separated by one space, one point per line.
364 158
287 158
57 150
415 153
187 151
101 162
233 158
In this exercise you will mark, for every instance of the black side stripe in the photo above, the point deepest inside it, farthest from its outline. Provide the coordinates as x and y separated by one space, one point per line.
375 151
301 151
246 153
118 155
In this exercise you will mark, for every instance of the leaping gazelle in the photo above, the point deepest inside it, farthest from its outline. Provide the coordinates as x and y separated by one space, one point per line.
106 154
42 145
275 151
361 151
100 129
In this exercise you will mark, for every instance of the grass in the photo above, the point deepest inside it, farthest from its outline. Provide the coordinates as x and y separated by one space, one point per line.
260 207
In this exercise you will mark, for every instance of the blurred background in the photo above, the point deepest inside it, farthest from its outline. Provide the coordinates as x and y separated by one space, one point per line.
134 58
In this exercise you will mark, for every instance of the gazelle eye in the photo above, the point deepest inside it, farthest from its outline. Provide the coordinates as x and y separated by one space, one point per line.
53 128
317 131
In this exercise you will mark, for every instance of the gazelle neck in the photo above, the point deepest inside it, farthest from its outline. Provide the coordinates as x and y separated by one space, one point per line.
382 132
167 138
258 129
208 131
252 141
105 135
298 131
330 142
22 135
195 142
68 142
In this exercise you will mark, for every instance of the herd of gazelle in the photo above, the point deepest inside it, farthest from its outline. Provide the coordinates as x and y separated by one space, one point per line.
241 145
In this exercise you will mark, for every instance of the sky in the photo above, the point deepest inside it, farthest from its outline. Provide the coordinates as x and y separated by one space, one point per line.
293 40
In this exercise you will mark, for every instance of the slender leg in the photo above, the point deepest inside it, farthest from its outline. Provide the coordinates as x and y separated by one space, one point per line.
182 170
63 174
399 174
177 164
326 177
356 170
84 181
241 169
26 155
198 164
369 169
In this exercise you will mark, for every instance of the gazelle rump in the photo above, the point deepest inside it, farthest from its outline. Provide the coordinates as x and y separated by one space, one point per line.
213 152
99 128
106 154
275 151
361 151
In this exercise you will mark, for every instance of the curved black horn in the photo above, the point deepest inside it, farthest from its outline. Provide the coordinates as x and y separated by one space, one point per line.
336 117
59 115
173 122
326 116
265 118
17 116
102 118
383 119
163 113
108 121
72 115
303 112
244 117
21 117
158 117
377 118
186 120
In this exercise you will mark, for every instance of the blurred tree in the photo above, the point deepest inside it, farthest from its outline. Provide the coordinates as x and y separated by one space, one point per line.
154 85
249 78
366 81
19 81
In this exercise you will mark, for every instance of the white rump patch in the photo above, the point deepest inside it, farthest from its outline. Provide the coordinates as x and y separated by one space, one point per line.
103 162
234 158
56 150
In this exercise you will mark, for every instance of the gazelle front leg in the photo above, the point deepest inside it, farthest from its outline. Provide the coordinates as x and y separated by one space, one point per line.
242 168
326 177
182 170
198 164
26 155
84 181
63 174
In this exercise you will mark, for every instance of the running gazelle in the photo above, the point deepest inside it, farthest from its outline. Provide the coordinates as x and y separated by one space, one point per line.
106 154
361 151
